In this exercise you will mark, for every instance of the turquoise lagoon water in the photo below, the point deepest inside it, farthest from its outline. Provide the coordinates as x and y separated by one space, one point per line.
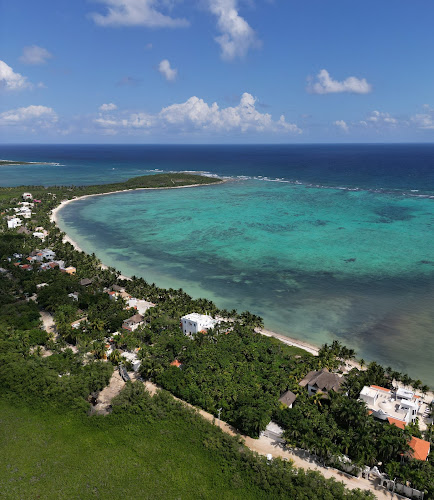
318 264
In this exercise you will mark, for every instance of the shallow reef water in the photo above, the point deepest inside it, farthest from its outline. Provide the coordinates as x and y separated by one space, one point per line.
317 263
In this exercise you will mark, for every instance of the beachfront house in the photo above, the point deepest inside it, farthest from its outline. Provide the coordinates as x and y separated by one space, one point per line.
133 323
401 405
321 381
194 323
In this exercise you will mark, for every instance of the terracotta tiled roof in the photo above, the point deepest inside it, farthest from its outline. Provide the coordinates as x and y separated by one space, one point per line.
395 421
380 388
419 448
176 363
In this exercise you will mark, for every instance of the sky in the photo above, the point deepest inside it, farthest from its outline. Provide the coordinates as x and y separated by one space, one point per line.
216 71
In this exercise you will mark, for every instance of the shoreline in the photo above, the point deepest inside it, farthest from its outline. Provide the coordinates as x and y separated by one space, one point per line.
310 348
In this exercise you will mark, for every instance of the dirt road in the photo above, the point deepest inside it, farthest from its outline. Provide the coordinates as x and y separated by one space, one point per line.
265 446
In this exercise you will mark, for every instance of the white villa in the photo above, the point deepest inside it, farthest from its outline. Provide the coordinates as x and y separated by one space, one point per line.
195 322
27 196
385 404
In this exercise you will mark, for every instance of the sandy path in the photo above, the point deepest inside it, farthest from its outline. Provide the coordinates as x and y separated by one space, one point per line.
48 322
265 446
105 397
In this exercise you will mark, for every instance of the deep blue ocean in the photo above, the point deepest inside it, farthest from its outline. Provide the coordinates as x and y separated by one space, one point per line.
324 241
402 167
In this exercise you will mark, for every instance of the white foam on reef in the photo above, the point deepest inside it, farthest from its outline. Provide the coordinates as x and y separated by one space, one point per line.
296 182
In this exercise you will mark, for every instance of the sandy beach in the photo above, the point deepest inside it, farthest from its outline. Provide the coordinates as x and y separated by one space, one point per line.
310 348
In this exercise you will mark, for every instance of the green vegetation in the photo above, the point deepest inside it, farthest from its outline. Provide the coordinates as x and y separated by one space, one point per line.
146 439
11 162
240 371
144 181
147 448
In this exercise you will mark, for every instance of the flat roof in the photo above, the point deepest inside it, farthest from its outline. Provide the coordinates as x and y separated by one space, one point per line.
404 393
368 391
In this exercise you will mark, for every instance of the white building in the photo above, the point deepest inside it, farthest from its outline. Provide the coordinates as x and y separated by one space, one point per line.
27 196
24 212
369 396
133 359
48 254
141 305
400 405
133 323
13 223
194 323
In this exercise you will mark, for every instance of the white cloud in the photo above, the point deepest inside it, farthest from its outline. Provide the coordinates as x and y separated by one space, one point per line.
35 55
195 115
39 116
381 118
237 37
108 107
136 13
341 124
326 85
168 72
10 80
424 121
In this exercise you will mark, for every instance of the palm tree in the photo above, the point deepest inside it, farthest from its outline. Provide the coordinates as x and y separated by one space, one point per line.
425 390
99 349
317 398
115 357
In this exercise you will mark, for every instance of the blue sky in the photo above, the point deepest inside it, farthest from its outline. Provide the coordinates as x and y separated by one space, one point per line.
202 71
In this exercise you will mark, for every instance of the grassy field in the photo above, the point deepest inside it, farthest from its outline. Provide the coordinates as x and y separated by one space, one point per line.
52 455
